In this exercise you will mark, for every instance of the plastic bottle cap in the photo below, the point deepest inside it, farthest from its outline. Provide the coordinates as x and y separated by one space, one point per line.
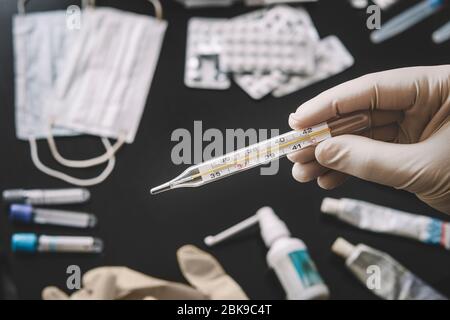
330 205
13 196
342 248
21 213
435 3
272 227
24 242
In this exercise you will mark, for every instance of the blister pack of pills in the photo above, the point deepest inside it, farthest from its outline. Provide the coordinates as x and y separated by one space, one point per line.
278 20
247 47
258 86
385 4
285 19
202 55
272 50
331 58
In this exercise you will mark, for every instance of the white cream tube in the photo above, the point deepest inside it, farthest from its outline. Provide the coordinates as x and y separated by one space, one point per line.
368 216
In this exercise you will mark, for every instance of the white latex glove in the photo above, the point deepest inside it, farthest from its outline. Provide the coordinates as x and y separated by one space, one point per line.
409 146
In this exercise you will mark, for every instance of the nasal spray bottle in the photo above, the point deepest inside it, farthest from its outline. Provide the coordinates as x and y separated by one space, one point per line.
287 256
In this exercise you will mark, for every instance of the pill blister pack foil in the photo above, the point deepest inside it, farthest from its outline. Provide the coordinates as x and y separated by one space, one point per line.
273 50
331 58
385 4
202 55
248 47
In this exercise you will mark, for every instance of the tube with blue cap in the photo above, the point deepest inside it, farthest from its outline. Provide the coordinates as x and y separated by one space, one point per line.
406 20
32 243
25 213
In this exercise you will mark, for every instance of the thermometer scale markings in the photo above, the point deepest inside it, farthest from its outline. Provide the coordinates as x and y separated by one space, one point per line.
247 158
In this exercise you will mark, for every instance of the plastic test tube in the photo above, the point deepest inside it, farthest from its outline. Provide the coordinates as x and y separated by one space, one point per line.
31 243
406 19
26 213
47 196
442 34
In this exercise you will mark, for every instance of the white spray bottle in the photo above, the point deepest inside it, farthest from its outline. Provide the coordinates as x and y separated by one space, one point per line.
287 256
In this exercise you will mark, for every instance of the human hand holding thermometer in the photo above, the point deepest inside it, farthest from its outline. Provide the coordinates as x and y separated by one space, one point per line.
265 152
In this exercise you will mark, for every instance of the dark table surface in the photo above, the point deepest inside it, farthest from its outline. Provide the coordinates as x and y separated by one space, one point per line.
143 232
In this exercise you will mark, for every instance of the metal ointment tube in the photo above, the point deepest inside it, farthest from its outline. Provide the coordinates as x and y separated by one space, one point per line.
382 274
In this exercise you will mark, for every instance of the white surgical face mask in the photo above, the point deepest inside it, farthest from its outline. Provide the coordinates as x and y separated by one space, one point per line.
99 84
40 43
108 74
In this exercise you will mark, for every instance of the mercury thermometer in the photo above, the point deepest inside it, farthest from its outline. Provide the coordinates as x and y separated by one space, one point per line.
264 152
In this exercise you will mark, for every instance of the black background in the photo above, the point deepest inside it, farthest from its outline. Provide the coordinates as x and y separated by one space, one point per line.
143 232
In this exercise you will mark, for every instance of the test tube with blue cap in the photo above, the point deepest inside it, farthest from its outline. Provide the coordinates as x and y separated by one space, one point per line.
32 243
25 213
406 20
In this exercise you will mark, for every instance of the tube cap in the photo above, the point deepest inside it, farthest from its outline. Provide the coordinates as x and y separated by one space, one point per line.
21 213
330 205
14 195
342 248
272 227
24 242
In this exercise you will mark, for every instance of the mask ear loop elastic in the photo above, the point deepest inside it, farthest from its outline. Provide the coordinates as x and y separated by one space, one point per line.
109 155
72 180
87 3
21 4
110 152
158 8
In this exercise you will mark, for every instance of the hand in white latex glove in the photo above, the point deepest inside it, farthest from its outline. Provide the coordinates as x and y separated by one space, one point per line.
408 146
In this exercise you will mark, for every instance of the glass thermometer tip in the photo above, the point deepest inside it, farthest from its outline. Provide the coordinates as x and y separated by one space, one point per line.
171 184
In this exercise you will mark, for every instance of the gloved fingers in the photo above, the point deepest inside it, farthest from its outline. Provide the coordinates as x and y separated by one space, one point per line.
196 264
384 133
205 273
127 280
303 156
100 287
382 162
383 118
388 90
134 285
305 172
387 133
331 179
54 293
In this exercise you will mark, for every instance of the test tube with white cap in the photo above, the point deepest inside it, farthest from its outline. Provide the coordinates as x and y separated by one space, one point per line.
25 213
47 196
31 243
442 34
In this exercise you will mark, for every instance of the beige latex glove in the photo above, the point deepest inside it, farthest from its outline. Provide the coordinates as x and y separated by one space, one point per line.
205 273
409 147
107 283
